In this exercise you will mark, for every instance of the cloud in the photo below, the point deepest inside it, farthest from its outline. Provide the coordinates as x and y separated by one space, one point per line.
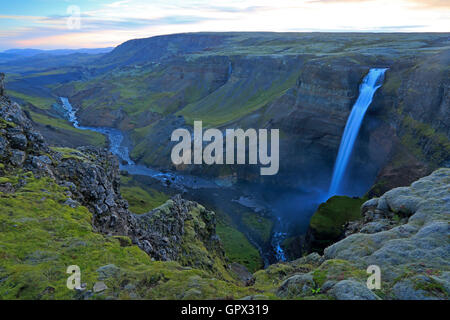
118 4
117 21
421 3
435 4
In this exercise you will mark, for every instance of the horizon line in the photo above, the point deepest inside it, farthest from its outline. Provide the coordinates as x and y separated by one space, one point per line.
218 32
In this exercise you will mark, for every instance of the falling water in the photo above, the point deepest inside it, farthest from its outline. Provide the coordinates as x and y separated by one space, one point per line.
369 86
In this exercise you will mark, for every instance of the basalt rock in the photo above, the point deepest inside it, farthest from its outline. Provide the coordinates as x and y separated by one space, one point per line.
92 179
18 139
2 84
404 233
405 229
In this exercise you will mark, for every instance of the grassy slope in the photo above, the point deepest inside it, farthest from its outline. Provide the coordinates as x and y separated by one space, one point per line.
40 237
43 103
88 137
40 105
237 247
141 199
237 99
258 225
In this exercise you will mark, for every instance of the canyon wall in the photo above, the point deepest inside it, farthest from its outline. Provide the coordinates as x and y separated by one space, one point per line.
303 84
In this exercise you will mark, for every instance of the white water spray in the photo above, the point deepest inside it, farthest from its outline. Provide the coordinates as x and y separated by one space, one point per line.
369 86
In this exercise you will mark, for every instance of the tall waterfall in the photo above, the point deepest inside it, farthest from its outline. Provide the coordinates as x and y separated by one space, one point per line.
367 89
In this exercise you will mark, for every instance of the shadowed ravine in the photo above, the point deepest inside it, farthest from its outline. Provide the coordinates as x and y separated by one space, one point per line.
222 195
217 193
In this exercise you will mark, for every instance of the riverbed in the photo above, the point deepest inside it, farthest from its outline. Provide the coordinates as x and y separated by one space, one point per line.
218 194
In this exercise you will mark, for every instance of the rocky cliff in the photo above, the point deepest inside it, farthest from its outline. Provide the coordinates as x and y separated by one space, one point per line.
91 177
404 232
53 199
303 84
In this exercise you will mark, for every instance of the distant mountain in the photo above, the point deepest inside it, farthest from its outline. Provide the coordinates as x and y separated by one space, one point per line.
138 51
17 54
33 52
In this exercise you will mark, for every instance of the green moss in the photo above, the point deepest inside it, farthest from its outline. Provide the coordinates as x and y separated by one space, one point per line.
4 124
238 248
425 142
432 287
379 188
200 252
4 180
40 237
142 201
337 270
69 153
331 216
258 225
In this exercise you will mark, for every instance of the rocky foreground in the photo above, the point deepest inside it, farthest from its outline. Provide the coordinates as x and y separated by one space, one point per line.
61 207
405 232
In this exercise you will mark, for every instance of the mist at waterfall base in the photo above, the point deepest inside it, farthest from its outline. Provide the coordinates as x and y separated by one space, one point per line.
293 206
297 206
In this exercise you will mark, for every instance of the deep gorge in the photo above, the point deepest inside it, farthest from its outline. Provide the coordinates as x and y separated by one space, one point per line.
146 88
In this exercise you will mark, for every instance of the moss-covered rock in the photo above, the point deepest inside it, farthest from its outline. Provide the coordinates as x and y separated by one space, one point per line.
40 237
328 222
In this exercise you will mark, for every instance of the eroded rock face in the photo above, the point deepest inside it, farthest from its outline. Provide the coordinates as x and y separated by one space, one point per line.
413 232
17 131
160 232
92 179
405 233
2 84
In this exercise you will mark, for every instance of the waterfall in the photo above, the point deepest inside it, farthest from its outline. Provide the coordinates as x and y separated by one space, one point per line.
372 81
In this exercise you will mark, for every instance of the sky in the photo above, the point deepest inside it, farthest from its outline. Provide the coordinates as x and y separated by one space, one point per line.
59 24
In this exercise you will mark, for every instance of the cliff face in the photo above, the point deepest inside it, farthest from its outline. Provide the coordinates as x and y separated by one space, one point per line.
404 233
91 177
415 104
52 198
303 84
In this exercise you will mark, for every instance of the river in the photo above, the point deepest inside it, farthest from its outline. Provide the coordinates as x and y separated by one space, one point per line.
215 193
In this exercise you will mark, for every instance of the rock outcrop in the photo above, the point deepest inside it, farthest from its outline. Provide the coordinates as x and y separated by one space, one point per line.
302 84
2 85
405 233
406 225
162 231
92 179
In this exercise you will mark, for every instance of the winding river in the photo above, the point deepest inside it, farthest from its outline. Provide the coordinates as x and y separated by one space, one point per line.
218 192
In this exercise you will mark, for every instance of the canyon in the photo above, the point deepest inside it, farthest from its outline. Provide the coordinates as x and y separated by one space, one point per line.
62 205
304 84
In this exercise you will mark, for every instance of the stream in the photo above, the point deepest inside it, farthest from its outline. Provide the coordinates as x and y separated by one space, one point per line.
288 209
217 193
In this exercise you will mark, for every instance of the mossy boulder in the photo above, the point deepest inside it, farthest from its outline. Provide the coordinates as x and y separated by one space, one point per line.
40 237
328 222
